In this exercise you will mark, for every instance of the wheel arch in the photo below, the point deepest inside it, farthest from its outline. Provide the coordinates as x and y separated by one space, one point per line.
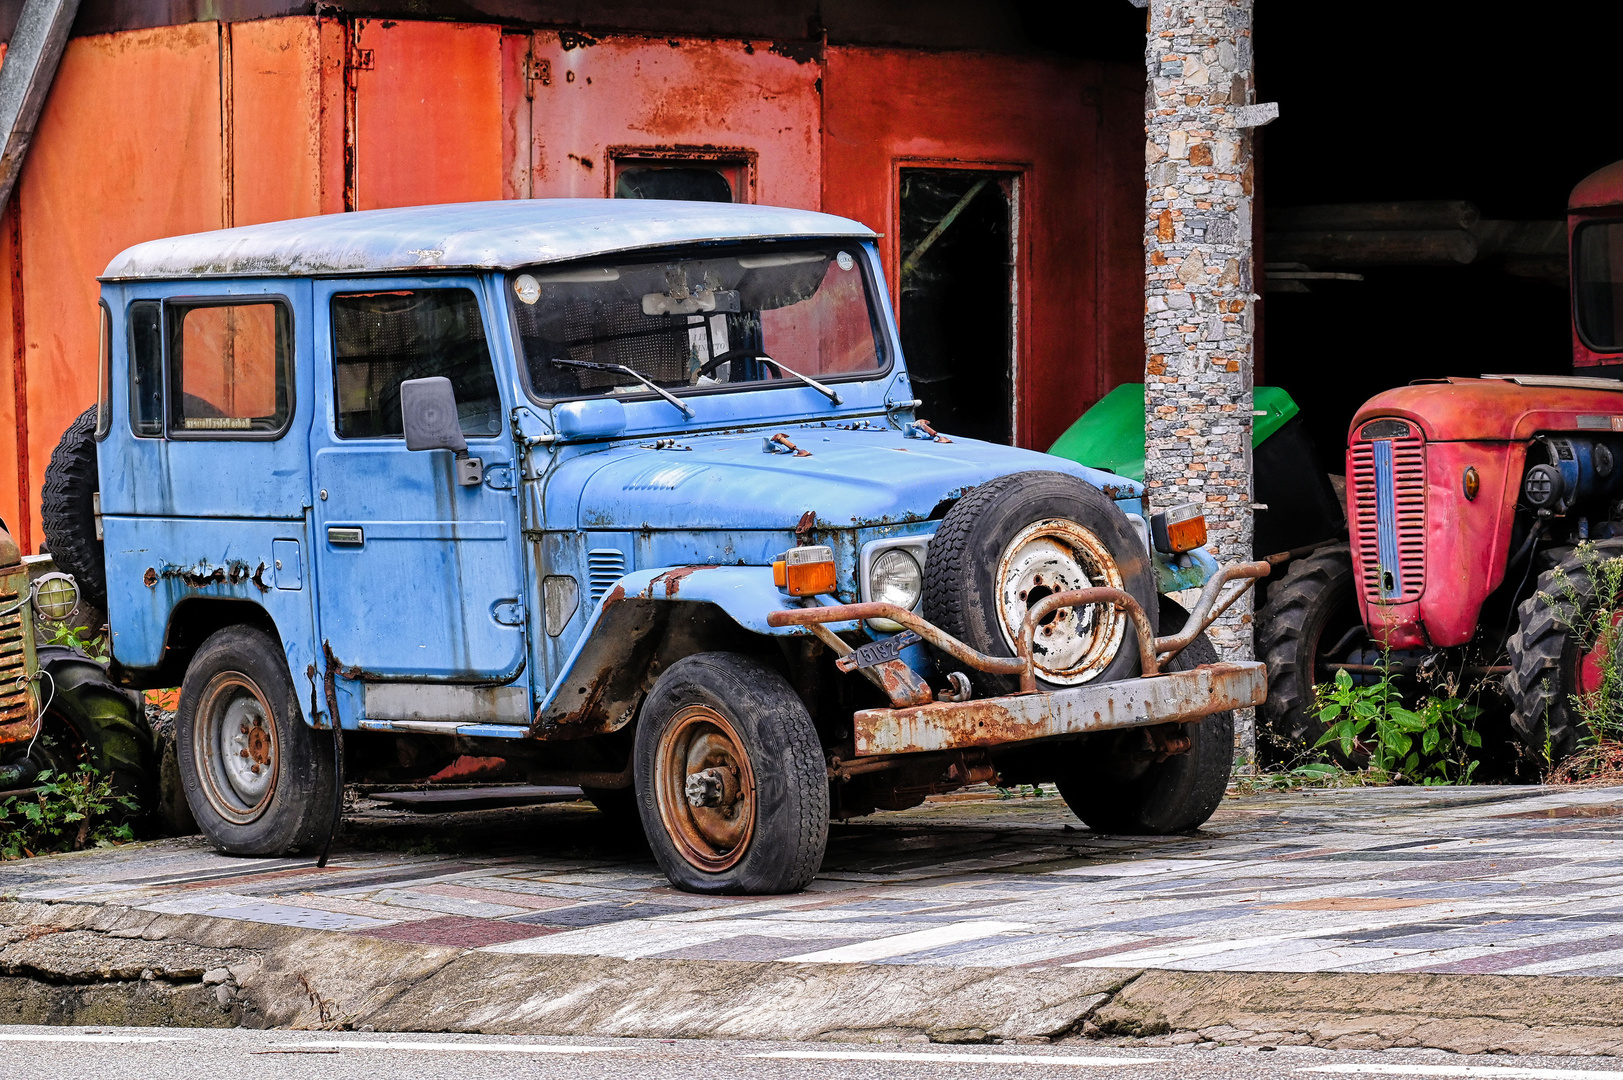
191 622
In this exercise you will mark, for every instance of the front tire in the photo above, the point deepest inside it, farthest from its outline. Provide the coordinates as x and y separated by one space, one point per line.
91 721
1114 788
1546 664
258 779
731 782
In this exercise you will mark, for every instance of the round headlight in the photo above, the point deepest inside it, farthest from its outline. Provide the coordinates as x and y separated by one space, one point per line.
56 596
895 578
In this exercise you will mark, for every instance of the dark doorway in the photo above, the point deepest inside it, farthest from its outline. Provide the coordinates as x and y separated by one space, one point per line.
957 286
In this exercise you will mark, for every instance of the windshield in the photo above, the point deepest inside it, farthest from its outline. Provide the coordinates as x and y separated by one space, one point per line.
1597 284
755 315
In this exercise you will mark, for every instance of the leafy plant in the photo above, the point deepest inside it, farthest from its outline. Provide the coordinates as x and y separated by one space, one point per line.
64 812
82 638
1426 745
1595 614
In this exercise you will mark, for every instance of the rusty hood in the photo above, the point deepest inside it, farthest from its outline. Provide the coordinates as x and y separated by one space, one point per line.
845 478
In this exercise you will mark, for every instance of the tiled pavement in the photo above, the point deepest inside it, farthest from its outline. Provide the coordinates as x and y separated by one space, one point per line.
1474 880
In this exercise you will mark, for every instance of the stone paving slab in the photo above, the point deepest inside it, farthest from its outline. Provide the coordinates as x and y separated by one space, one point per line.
1485 880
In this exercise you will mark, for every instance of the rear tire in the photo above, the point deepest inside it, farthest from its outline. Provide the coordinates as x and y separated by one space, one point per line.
1311 609
258 779
729 731
92 721
68 510
1114 791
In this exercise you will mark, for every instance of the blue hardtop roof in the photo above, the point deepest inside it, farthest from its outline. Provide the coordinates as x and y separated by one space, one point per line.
464 236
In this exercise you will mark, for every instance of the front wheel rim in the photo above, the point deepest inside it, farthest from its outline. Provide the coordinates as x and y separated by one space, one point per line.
1073 645
705 789
235 747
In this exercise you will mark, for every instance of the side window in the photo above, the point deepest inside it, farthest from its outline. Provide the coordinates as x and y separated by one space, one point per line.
146 367
382 339
230 369
104 369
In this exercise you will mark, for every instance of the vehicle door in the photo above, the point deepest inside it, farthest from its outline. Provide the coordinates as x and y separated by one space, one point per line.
418 575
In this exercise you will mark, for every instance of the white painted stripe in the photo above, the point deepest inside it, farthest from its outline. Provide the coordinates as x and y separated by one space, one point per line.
30 1037
1498 1072
976 1059
901 944
453 1047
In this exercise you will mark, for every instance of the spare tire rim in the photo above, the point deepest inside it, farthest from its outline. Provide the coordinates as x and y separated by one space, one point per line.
1072 645
235 747
705 788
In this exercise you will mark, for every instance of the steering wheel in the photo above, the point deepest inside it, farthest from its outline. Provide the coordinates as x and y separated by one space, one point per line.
719 359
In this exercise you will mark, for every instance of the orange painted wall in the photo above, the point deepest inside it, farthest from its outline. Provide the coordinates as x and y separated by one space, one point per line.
428 113
661 93
888 108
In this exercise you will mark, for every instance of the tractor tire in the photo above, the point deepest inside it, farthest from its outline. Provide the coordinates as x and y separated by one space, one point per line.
1012 541
68 509
89 720
1110 786
731 781
1311 608
1545 660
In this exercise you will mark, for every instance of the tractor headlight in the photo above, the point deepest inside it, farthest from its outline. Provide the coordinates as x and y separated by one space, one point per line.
56 596
895 577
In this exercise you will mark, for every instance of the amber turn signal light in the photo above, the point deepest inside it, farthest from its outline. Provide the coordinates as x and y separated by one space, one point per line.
805 571
1180 529
1473 483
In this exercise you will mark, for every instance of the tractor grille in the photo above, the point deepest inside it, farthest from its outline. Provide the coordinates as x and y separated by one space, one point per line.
14 697
1389 517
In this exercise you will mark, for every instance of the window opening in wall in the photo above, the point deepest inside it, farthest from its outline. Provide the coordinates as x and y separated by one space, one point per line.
382 339
230 369
683 177
958 300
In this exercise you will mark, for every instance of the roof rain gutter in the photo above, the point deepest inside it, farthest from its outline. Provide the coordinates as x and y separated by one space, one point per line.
25 79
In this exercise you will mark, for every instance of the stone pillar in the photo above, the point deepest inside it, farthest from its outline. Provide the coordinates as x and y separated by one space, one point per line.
1199 282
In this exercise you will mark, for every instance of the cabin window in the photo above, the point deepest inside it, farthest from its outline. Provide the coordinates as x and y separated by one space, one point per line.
230 369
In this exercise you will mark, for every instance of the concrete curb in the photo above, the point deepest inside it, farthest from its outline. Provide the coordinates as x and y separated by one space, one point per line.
83 964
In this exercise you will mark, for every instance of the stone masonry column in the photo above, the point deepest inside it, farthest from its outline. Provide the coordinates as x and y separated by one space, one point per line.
1199 282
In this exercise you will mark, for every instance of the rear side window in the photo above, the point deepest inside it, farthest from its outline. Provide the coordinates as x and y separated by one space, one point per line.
146 368
230 369
382 339
104 368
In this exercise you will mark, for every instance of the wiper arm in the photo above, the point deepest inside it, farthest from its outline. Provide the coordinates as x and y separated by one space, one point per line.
655 387
826 391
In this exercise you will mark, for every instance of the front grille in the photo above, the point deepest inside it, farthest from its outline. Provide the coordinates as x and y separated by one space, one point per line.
14 699
604 566
1388 485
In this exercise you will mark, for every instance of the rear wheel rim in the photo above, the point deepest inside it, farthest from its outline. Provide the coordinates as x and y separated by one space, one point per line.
712 837
1073 645
235 747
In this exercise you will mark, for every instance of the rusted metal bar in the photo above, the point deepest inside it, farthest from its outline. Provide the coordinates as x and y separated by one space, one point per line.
815 616
1175 697
1207 608
1079 598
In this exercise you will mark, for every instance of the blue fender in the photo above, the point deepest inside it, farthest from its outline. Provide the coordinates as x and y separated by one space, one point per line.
624 644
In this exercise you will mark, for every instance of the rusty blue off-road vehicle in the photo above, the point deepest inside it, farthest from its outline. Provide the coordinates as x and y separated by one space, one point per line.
629 496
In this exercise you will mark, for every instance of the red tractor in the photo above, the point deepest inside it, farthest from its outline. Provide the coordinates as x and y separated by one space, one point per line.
1466 500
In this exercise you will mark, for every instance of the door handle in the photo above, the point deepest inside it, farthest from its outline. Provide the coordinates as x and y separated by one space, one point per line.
345 535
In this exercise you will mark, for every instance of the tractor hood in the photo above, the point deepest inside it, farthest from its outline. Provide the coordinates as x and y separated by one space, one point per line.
847 478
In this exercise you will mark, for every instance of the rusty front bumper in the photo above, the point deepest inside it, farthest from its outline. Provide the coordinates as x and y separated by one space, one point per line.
1175 697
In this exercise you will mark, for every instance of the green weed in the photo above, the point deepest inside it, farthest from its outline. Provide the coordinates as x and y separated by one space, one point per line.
1428 745
64 812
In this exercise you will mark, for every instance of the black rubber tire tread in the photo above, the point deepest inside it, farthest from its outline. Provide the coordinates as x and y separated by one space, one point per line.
108 722
300 812
960 596
68 512
1544 662
1300 605
1179 794
785 754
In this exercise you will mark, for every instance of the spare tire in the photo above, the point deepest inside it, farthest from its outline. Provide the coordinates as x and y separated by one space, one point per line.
1014 540
68 509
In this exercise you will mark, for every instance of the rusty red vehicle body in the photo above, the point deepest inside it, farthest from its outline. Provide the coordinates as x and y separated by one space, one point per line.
1480 512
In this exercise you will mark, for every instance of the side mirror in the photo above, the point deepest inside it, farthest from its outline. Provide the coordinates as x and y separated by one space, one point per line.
428 414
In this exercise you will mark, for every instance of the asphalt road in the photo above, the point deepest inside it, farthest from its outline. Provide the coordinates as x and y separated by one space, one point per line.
165 1053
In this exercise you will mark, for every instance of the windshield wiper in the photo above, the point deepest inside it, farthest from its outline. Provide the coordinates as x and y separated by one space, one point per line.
826 391
655 387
